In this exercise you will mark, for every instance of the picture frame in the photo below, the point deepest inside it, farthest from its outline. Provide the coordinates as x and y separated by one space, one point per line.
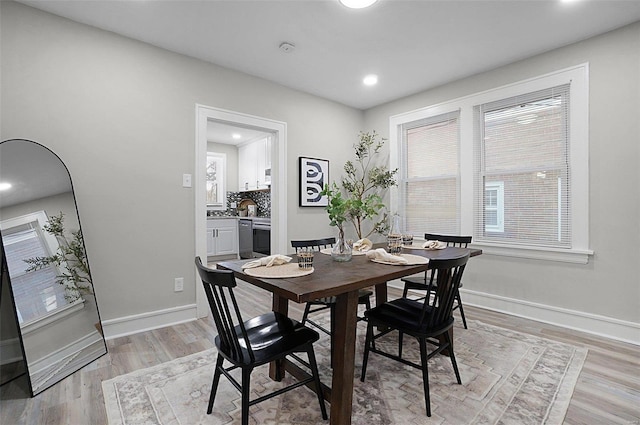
314 175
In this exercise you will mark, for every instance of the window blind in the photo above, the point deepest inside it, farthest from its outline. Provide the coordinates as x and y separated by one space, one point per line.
36 293
429 183
522 169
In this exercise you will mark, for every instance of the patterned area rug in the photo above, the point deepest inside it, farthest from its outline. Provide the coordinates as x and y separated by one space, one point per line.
507 378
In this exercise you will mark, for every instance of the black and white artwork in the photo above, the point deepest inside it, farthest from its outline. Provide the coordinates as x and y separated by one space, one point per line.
314 175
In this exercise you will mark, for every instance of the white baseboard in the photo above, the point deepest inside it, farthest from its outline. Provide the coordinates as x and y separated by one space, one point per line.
607 327
136 323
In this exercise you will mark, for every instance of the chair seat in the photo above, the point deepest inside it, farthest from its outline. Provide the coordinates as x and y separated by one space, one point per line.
270 335
404 315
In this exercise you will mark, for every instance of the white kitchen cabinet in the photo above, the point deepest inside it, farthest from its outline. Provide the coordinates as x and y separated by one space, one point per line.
247 166
222 236
253 161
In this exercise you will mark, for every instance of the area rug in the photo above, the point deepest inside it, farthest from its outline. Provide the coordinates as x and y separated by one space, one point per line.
508 377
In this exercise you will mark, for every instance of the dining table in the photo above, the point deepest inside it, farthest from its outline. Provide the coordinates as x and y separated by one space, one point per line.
341 280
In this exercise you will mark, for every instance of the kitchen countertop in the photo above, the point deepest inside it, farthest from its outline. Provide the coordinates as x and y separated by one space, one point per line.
213 217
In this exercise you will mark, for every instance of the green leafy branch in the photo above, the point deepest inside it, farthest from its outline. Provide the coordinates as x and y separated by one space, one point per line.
70 260
365 183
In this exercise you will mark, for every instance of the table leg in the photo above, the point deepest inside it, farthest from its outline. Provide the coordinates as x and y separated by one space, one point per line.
344 358
276 369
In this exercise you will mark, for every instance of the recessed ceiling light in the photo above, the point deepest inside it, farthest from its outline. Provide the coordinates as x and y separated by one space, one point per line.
5 186
370 80
357 4
236 136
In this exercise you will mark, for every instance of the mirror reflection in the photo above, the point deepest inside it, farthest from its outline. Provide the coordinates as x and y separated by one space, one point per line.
50 283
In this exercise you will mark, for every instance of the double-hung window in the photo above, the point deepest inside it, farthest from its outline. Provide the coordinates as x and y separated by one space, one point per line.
522 169
508 166
429 177
37 293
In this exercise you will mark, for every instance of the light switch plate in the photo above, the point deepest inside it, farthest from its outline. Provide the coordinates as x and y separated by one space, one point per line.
186 180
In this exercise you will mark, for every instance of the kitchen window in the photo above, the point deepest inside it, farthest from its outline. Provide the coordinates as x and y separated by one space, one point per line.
216 172
512 170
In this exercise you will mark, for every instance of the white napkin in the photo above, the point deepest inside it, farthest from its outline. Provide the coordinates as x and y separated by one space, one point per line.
434 245
271 260
381 255
363 245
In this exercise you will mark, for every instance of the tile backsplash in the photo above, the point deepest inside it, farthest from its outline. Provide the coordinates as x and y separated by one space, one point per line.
261 198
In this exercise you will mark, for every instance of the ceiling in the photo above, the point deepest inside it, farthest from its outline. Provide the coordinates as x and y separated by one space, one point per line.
218 132
412 45
33 171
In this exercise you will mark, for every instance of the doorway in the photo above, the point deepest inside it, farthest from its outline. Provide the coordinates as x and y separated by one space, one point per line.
206 115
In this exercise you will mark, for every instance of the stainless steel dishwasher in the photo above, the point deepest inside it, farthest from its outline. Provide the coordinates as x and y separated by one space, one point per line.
245 234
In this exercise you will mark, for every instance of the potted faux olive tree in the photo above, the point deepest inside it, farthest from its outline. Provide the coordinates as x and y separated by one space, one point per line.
364 184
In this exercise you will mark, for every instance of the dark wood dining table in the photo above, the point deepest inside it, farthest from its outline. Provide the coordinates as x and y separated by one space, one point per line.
342 280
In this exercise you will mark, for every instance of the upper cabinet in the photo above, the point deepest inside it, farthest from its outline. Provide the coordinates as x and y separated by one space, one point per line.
254 165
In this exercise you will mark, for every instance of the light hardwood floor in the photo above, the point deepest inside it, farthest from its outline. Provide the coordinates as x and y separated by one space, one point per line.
607 392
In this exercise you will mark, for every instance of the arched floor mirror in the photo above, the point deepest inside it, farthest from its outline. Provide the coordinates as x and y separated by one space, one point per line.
50 321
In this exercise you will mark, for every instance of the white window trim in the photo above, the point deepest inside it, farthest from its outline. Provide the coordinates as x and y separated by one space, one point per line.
578 76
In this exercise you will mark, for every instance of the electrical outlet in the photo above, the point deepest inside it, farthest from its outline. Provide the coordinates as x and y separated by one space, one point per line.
178 284
186 180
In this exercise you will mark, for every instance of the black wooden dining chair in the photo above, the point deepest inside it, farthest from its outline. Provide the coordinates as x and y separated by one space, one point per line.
419 283
428 320
248 344
325 303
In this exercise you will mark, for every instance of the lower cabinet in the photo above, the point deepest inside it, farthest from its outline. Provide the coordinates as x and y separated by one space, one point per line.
222 236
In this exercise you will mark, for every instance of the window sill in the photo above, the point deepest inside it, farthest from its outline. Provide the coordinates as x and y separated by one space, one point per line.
40 322
576 256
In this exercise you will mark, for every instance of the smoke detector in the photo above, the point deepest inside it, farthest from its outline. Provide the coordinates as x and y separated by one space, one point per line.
287 47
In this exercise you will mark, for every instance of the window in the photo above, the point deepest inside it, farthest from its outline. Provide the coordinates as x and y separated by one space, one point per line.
512 169
216 189
37 294
522 142
429 177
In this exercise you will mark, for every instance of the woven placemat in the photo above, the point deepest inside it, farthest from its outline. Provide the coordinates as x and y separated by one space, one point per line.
275 272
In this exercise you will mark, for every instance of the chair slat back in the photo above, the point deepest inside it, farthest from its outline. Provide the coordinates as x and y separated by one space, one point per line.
438 309
459 241
218 286
315 244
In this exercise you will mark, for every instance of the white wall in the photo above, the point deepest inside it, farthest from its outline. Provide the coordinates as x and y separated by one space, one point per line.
604 295
121 114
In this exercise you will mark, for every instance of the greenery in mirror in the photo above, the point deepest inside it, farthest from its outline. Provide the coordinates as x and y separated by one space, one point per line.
70 260
364 185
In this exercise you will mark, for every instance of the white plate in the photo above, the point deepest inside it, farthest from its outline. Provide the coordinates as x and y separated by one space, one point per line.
412 260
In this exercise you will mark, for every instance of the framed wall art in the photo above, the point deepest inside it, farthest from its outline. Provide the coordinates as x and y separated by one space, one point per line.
314 175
